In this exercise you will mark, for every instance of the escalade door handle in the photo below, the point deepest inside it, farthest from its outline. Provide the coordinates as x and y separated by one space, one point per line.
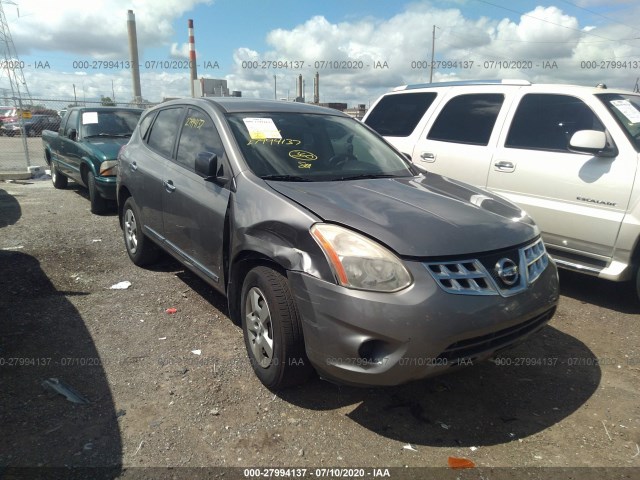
133 166
169 186
503 166
428 157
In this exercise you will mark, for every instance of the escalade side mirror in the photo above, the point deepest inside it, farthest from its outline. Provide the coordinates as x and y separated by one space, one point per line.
208 167
73 134
593 142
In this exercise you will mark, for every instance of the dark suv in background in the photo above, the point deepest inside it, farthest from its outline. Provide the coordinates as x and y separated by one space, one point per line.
335 253
31 126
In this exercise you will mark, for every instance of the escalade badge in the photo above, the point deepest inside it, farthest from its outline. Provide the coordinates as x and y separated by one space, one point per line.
507 271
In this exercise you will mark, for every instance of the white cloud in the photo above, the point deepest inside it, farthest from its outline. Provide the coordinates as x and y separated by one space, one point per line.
179 50
99 31
540 37
544 37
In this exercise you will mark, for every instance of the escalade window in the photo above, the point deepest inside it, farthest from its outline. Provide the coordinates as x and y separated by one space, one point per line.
626 110
547 122
467 119
398 115
163 131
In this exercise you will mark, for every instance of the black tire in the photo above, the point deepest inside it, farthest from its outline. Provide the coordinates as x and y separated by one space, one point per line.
99 204
287 365
58 180
140 249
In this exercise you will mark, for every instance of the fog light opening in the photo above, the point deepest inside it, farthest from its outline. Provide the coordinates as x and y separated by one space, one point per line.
373 351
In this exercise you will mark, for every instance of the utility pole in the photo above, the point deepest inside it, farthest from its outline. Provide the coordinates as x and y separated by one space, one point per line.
433 51
17 82
636 89
275 89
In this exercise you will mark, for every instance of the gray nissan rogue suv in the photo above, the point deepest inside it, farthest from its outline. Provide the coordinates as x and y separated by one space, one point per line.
334 252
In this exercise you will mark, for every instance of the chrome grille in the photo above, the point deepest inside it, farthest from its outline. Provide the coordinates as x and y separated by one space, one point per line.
465 277
536 259
475 277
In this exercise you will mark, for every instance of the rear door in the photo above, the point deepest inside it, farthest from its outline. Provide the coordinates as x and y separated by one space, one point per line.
195 209
149 164
461 136
578 200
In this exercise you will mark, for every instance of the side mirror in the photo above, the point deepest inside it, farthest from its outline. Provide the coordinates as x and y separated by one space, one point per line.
593 142
73 134
207 166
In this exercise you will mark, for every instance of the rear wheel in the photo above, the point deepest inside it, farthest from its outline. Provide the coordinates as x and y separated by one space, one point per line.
58 180
140 249
98 203
272 330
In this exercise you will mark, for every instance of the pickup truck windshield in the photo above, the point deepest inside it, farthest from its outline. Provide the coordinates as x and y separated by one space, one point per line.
109 123
626 110
299 147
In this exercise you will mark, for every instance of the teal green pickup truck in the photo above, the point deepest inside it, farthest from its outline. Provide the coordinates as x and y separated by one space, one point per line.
85 149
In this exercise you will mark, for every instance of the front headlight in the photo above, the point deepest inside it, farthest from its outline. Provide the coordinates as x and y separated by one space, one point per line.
109 168
358 262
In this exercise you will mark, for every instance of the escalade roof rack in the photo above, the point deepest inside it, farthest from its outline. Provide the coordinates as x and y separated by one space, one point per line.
464 82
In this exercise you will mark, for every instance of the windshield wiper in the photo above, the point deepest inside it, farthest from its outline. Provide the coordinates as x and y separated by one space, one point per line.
364 176
124 135
286 178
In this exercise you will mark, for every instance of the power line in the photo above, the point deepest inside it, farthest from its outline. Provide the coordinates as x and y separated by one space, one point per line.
547 21
599 15
12 63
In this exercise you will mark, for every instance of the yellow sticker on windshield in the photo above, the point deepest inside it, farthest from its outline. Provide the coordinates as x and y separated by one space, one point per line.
260 128
302 155
304 165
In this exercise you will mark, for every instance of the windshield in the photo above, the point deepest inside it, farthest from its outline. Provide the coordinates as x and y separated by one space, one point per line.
117 123
626 110
309 147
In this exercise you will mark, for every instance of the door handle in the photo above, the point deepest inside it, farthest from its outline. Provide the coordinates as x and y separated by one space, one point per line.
169 186
428 157
503 166
133 166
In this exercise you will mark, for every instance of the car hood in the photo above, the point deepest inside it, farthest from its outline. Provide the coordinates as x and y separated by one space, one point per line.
423 216
106 148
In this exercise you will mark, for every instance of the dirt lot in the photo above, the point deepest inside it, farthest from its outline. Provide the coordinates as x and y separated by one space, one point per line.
568 398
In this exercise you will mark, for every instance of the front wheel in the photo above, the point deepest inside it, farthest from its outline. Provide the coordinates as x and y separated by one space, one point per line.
140 249
98 203
273 330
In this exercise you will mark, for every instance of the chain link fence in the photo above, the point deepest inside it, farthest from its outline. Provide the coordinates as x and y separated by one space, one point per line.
20 138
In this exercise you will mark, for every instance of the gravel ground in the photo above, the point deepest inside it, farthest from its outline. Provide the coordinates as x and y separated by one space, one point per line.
568 398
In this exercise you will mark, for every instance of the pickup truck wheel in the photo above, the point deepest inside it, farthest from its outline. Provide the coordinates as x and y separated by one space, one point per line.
140 249
98 204
272 330
58 180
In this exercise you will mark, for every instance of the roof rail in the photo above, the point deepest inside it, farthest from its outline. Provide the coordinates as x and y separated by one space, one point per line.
464 82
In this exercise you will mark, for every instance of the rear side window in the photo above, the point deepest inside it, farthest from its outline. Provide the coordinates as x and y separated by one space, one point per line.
163 131
145 123
398 115
467 119
547 122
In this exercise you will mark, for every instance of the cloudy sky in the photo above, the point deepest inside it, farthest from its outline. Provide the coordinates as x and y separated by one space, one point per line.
376 44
